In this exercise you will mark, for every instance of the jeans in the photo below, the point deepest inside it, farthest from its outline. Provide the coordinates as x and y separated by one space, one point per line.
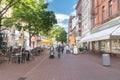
58 54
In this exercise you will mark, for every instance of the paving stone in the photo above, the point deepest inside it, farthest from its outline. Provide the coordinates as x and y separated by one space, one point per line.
68 67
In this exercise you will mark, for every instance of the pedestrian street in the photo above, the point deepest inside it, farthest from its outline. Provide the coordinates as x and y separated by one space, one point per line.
68 67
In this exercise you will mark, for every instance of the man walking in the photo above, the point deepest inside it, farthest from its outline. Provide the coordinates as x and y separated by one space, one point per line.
67 49
62 48
58 49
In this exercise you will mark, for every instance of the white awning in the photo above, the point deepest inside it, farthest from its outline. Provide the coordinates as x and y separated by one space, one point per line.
116 32
102 35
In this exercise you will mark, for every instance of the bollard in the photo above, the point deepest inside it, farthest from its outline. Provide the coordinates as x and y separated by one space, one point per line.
105 59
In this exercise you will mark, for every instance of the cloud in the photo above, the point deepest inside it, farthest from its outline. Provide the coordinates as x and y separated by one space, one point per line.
61 17
74 6
63 25
47 1
73 13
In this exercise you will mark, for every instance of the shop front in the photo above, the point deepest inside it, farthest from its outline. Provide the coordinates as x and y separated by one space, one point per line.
107 40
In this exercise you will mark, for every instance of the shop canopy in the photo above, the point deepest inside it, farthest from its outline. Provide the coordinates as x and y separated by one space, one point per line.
112 33
46 42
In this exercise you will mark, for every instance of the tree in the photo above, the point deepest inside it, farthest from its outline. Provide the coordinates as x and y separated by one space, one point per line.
62 37
57 33
35 16
4 6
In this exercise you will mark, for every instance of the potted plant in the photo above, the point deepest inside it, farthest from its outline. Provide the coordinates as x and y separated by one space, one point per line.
81 49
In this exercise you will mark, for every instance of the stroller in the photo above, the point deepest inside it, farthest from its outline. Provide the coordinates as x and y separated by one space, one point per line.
52 54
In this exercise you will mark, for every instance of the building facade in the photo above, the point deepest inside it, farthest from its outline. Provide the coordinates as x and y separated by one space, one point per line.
73 30
85 14
105 30
79 28
85 19
71 37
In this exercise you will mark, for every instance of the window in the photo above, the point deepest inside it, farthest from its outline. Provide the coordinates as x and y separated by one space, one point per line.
103 0
103 12
116 44
102 45
119 5
94 20
79 33
110 7
94 3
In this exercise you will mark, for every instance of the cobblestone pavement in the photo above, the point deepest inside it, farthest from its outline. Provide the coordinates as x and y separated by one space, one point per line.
68 67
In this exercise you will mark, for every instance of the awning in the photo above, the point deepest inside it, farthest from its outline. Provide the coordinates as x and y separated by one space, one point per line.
116 32
102 35
46 42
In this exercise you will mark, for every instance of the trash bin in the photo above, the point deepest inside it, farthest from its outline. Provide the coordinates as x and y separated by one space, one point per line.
105 59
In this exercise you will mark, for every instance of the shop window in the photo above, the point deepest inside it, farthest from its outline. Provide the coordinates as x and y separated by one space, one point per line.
102 45
116 44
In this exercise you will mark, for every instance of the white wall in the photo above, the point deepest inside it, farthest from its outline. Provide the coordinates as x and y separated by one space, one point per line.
86 24
26 36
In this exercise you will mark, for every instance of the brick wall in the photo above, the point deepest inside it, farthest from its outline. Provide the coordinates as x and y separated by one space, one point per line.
97 10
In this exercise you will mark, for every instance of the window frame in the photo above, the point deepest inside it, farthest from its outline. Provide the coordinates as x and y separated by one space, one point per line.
103 0
118 5
94 20
103 13
110 7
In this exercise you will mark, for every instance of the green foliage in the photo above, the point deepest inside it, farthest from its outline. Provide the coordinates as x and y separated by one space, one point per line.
35 16
80 49
8 22
5 5
62 37
57 33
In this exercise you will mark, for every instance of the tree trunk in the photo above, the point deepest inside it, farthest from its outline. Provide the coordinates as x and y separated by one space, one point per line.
0 22
29 39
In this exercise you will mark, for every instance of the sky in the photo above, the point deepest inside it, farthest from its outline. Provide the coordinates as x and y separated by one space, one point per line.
62 9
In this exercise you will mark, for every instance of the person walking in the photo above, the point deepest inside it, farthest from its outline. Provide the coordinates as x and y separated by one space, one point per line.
51 51
58 50
67 49
62 49
75 49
